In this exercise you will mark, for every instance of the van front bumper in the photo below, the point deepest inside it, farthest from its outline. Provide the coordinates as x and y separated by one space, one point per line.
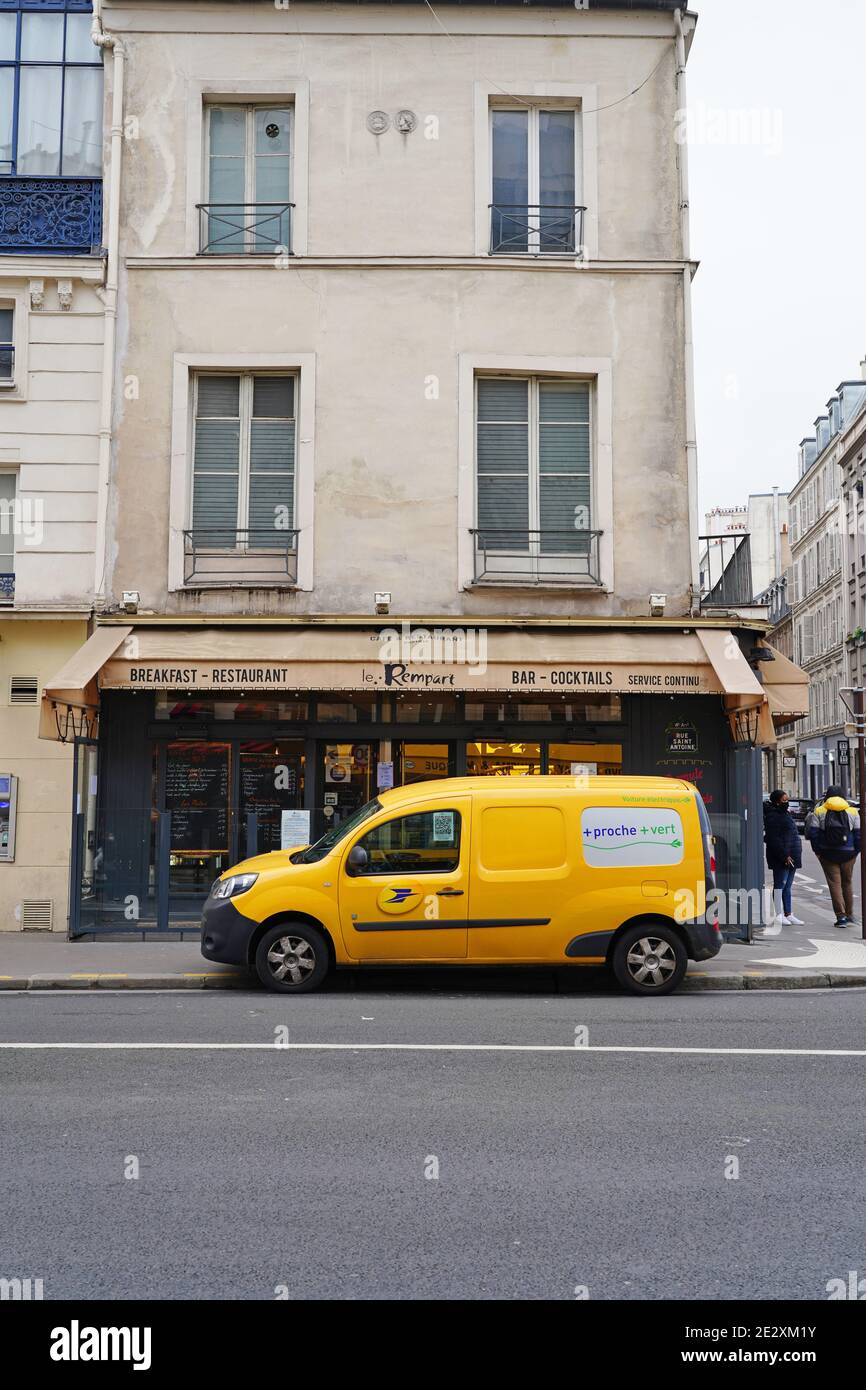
225 932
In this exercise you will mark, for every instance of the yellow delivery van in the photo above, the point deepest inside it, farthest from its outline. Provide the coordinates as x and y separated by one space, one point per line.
483 871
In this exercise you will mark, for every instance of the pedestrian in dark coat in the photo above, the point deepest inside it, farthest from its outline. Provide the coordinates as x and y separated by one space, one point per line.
784 855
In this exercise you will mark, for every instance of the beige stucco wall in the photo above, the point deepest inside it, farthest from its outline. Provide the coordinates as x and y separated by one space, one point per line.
49 426
385 457
44 769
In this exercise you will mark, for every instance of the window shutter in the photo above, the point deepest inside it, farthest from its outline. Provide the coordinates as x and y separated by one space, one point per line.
563 467
503 464
216 461
272 463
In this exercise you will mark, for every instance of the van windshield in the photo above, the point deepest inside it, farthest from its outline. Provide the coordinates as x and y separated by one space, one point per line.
334 836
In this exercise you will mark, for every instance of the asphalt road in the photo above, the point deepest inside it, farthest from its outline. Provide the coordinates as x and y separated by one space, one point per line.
307 1168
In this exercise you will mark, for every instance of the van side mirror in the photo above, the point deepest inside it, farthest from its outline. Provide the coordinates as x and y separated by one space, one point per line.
358 859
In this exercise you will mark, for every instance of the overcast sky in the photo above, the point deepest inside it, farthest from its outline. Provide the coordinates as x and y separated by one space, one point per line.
779 227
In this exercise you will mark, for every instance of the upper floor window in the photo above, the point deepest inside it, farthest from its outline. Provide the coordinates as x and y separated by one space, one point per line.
7 345
535 181
7 537
534 480
50 92
243 483
249 180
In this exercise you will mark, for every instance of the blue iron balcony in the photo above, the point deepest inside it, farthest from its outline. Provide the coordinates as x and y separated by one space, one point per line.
7 590
50 216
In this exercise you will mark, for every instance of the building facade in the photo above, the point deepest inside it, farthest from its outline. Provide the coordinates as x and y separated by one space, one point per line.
820 602
852 467
403 471
52 274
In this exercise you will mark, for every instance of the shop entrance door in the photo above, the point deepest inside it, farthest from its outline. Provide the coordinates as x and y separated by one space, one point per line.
347 777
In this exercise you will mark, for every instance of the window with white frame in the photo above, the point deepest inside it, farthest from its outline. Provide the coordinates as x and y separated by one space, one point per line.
535 180
8 488
244 451
7 345
534 478
248 157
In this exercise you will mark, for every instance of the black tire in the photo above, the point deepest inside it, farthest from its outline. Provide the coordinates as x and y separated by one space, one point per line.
305 958
649 959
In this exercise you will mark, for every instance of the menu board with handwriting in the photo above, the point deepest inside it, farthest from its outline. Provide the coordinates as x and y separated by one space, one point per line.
196 793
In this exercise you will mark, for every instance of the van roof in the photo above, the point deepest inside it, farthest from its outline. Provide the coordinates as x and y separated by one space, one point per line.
518 786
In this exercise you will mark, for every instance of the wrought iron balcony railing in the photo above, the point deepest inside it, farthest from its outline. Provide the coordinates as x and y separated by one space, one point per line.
50 215
255 555
245 229
7 590
535 229
504 555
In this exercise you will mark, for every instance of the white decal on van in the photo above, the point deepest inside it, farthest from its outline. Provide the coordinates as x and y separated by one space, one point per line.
631 835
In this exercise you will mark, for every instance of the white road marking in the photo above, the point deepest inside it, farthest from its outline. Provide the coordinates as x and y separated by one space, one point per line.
418 1047
829 955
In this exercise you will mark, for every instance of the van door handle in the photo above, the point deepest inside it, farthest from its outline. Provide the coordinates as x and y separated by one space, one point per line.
449 893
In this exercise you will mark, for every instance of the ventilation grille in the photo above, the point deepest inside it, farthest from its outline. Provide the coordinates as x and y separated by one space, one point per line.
37 914
23 690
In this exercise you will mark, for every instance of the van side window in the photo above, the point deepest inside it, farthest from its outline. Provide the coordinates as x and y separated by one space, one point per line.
427 842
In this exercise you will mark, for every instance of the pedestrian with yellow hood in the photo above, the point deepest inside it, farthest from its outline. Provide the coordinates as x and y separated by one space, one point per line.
833 831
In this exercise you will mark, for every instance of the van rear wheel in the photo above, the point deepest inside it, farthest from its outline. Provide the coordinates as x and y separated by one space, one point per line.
292 958
649 959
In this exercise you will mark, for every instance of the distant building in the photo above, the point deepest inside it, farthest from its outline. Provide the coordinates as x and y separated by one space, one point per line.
743 550
817 514
852 466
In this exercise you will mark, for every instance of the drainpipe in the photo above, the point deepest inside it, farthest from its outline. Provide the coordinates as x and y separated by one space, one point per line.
777 535
689 357
108 295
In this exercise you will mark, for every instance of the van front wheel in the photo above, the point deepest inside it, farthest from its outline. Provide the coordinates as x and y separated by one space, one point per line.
292 958
649 960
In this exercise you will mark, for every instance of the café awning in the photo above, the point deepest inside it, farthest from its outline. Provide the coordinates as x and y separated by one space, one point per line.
70 700
786 687
404 659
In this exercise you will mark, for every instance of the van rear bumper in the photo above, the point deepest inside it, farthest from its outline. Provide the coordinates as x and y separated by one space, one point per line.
704 939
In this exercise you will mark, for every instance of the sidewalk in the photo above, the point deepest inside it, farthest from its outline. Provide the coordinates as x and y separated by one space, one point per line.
816 955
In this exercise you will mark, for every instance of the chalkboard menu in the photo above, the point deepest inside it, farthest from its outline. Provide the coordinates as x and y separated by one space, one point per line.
196 793
270 784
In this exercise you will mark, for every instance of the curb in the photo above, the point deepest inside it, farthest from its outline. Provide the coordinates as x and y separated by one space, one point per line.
696 983
204 980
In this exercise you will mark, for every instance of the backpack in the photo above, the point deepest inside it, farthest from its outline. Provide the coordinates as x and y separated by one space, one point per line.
837 828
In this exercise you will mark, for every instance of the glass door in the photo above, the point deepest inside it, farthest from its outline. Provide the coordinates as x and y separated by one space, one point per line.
347 778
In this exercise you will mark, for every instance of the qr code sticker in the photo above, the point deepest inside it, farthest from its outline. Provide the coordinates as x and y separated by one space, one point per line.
443 825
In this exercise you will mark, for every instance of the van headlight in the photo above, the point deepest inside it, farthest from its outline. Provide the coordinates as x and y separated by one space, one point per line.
230 887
